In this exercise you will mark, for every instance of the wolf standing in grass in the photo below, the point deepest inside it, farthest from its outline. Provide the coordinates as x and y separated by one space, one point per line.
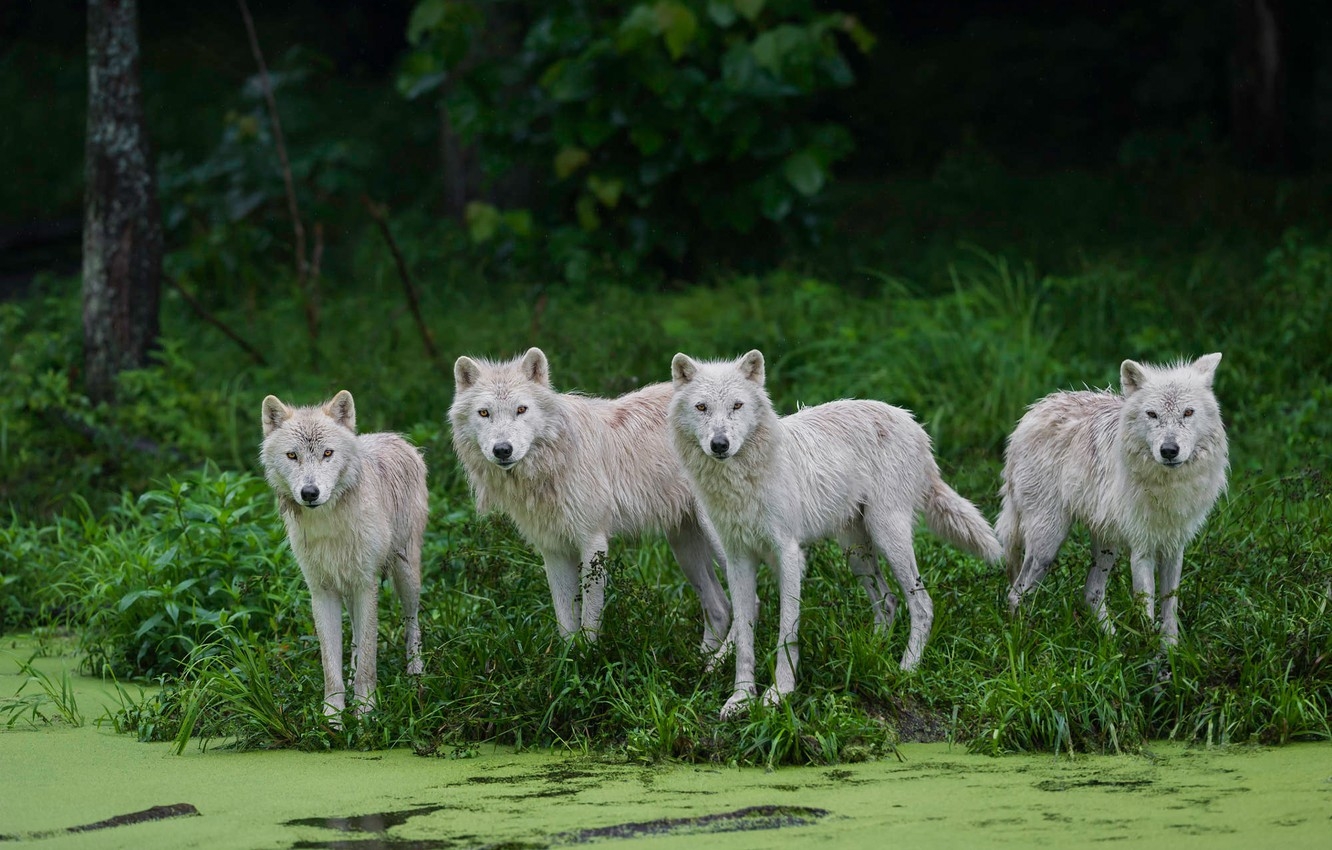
572 471
355 507
858 471
1141 470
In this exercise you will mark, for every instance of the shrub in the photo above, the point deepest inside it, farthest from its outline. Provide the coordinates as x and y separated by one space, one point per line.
663 128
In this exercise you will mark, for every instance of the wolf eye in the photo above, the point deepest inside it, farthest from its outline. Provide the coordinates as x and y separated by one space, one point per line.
1188 411
737 405
291 455
522 408
1151 414
701 407
483 413
328 453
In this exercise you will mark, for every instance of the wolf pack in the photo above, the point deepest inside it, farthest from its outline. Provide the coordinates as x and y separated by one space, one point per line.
706 460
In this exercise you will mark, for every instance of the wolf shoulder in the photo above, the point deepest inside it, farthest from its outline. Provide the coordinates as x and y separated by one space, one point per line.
398 466
1069 415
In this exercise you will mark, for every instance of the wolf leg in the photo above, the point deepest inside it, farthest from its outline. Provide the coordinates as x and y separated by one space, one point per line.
326 608
892 534
1143 567
364 608
790 573
1103 560
864 561
742 579
697 549
1044 534
593 584
407 584
1169 566
562 576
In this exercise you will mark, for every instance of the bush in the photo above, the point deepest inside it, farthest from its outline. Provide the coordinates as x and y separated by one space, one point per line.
167 572
664 129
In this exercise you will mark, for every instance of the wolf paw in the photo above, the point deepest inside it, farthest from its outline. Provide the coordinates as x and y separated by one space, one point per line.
737 705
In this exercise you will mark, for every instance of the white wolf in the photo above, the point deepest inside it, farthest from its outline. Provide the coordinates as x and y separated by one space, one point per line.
572 471
858 471
1141 470
355 507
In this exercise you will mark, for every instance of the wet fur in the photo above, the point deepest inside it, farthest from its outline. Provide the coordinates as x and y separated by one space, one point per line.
1096 458
585 470
367 520
857 471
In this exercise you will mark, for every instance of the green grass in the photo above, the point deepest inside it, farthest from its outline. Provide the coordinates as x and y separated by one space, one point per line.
173 569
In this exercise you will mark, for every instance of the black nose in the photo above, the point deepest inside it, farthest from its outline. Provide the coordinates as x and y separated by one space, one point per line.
503 451
720 445
309 492
1170 450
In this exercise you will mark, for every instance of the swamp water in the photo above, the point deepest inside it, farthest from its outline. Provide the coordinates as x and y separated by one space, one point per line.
88 787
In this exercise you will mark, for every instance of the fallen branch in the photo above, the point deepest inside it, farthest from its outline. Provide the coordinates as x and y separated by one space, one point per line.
305 281
202 312
380 214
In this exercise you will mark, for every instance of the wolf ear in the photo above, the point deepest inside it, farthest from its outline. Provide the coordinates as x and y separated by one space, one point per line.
1131 377
1206 365
274 414
343 410
535 367
466 372
683 369
751 366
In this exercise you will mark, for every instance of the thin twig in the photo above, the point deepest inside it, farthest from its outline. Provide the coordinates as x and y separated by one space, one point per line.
202 312
303 280
380 214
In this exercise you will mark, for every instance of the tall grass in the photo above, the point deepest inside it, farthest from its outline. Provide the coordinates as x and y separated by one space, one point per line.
190 579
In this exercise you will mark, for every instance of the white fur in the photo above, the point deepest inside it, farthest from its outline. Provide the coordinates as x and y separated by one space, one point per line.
1105 460
858 471
355 507
573 471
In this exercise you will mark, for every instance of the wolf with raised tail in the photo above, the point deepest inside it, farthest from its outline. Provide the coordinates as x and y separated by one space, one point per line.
1140 469
857 471
573 471
355 508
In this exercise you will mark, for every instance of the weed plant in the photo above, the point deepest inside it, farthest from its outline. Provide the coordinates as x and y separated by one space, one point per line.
53 700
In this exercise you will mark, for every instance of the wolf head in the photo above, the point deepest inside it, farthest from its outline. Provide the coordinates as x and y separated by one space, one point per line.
1170 411
310 454
500 409
719 403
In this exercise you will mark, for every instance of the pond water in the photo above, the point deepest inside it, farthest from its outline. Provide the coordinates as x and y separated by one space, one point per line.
88 787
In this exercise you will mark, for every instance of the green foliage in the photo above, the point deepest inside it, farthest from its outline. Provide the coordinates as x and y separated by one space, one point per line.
666 128
187 578
55 446
160 575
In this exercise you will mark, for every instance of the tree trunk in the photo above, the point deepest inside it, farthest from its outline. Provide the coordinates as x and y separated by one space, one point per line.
122 227
461 174
1258 83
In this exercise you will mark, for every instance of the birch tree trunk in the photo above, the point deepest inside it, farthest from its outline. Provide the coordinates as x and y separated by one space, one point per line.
122 227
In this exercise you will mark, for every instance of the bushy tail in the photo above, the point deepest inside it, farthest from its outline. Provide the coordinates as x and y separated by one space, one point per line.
1009 531
958 521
